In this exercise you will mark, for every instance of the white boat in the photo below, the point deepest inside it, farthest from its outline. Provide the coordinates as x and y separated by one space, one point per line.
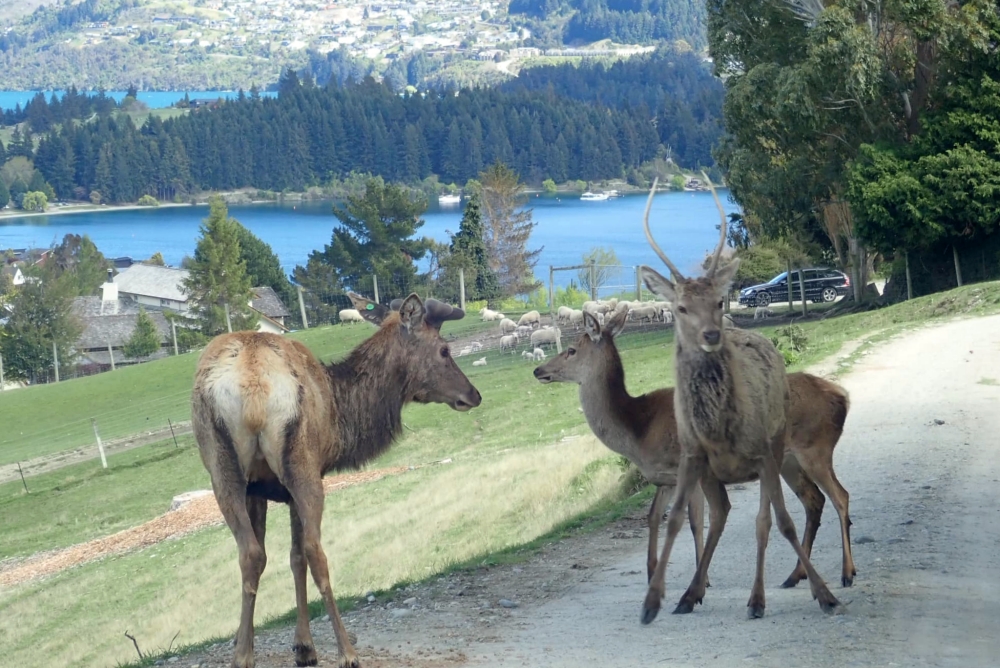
593 197
612 193
449 199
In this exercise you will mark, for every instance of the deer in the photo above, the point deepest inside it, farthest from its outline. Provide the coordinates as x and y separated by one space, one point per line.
731 402
644 430
271 420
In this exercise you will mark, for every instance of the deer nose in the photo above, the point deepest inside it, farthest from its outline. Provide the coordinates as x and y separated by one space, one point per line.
712 336
538 372
473 398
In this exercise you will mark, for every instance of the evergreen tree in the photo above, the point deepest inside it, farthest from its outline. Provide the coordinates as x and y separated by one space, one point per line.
263 267
40 314
156 259
145 339
79 264
468 251
217 276
4 194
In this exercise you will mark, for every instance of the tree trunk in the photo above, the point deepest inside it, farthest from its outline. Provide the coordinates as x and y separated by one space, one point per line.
788 279
802 289
958 265
909 281
856 271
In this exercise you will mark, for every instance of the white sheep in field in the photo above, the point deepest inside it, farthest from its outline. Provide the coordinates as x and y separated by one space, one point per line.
507 326
476 346
547 335
762 312
480 362
596 307
508 342
524 331
562 315
489 316
623 306
349 315
537 355
527 354
467 350
531 319
576 318
643 313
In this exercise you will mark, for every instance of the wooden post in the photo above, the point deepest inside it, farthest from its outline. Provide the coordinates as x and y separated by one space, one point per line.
171 424
111 355
55 360
593 280
802 289
461 288
958 265
375 287
173 331
26 490
788 280
909 281
552 292
638 285
229 323
302 309
100 445
859 290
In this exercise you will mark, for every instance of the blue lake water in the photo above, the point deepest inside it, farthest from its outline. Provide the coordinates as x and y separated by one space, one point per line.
685 225
153 99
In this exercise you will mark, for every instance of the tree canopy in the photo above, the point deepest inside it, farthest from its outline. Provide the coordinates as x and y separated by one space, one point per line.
145 339
508 228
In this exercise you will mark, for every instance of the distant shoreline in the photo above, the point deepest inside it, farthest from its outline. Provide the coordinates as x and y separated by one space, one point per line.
89 208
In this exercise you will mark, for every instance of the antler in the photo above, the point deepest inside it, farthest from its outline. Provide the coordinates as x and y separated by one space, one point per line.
722 226
439 312
649 235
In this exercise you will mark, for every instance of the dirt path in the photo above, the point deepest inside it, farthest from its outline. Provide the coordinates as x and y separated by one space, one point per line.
921 461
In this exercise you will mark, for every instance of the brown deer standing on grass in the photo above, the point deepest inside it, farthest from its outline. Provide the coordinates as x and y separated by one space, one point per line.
644 430
731 403
271 420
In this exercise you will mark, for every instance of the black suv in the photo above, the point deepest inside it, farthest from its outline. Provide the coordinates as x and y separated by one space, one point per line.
822 285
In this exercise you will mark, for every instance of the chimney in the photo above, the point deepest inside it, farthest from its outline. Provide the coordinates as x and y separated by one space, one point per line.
111 275
109 295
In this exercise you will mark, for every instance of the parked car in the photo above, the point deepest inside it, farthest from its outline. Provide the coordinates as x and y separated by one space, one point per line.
822 285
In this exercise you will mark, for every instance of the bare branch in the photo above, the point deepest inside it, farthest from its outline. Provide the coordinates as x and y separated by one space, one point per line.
722 226
134 642
649 235
171 645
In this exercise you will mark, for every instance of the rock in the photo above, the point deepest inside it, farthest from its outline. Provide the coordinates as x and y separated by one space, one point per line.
325 618
507 603
893 541
160 662
182 500
371 598
938 422
173 659
861 540
400 612
410 601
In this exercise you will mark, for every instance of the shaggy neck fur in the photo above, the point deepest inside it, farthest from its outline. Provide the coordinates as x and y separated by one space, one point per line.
370 388
615 416
705 383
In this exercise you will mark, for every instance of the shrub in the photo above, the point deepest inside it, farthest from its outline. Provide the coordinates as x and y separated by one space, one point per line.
148 200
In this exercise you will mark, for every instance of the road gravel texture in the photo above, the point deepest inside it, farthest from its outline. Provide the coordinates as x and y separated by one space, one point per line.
920 457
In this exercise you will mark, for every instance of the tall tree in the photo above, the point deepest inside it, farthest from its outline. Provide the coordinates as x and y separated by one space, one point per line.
508 228
40 314
80 264
218 276
145 339
263 266
468 251
605 263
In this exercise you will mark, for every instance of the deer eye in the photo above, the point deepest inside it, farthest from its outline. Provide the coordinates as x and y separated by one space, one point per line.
571 351
682 309
445 352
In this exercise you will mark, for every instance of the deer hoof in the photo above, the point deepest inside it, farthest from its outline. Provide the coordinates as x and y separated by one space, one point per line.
684 607
847 580
348 662
755 610
305 655
832 607
790 582
651 606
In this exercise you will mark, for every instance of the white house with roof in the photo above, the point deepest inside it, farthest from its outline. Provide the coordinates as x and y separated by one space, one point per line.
155 286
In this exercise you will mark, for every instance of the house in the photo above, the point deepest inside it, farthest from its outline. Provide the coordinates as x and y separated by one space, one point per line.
267 303
14 272
154 286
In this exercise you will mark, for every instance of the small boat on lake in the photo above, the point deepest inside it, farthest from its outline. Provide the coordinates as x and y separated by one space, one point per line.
593 197
449 199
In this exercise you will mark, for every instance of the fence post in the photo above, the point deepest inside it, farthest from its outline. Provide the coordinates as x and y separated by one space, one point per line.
552 291
171 424
1 374
958 265
593 280
173 331
638 285
375 286
26 490
909 288
302 309
55 360
461 288
229 323
852 245
100 445
802 288
788 279
112 356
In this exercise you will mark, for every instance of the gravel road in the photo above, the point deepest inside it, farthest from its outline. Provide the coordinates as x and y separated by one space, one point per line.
921 459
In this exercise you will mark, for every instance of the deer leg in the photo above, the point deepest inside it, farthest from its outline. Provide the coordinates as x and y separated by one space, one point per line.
696 518
688 473
771 484
302 645
813 501
653 521
718 507
756 604
307 494
826 478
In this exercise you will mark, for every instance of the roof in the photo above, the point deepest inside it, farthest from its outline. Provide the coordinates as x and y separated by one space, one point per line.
152 281
12 269
100 331
267 302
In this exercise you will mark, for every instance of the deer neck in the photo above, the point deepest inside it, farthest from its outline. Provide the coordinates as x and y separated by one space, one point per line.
612 413
705 387
370 389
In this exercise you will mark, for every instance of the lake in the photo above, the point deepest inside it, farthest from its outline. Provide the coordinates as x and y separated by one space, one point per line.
153 99
685 225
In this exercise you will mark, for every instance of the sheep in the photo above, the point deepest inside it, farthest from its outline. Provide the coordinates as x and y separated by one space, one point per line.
623 306
489 316
508 342
527 354
596 307
476 346
531 318
613 303
480 362
642 313
600 318
507 326
467 350
547 335
562 315
537 355
349 315
523 331
576 318
762 312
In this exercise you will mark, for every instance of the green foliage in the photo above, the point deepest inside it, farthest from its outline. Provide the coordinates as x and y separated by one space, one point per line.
791 342
218 275
263 267
4 194
34 201
549 186
40 313
605 263
468 252
677 182
79 264
760 263
156 259
145 339
148 200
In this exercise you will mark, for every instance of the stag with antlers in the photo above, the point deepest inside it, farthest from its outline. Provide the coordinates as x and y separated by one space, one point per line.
731 404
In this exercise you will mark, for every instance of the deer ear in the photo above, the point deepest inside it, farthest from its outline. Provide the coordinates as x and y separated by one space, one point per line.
723 278
658 284
616 324
591 326
412 312
369 310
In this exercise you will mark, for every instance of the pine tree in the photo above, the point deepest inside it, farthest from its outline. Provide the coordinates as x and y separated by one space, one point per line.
263 266
468 251
145 339
217 276
40 314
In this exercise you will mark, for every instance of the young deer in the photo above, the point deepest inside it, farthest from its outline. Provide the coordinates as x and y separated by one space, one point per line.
644 430
731 403
271 420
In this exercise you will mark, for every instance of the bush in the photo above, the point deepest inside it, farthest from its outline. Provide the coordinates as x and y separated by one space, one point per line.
759 263
148 200
549 186
35 201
